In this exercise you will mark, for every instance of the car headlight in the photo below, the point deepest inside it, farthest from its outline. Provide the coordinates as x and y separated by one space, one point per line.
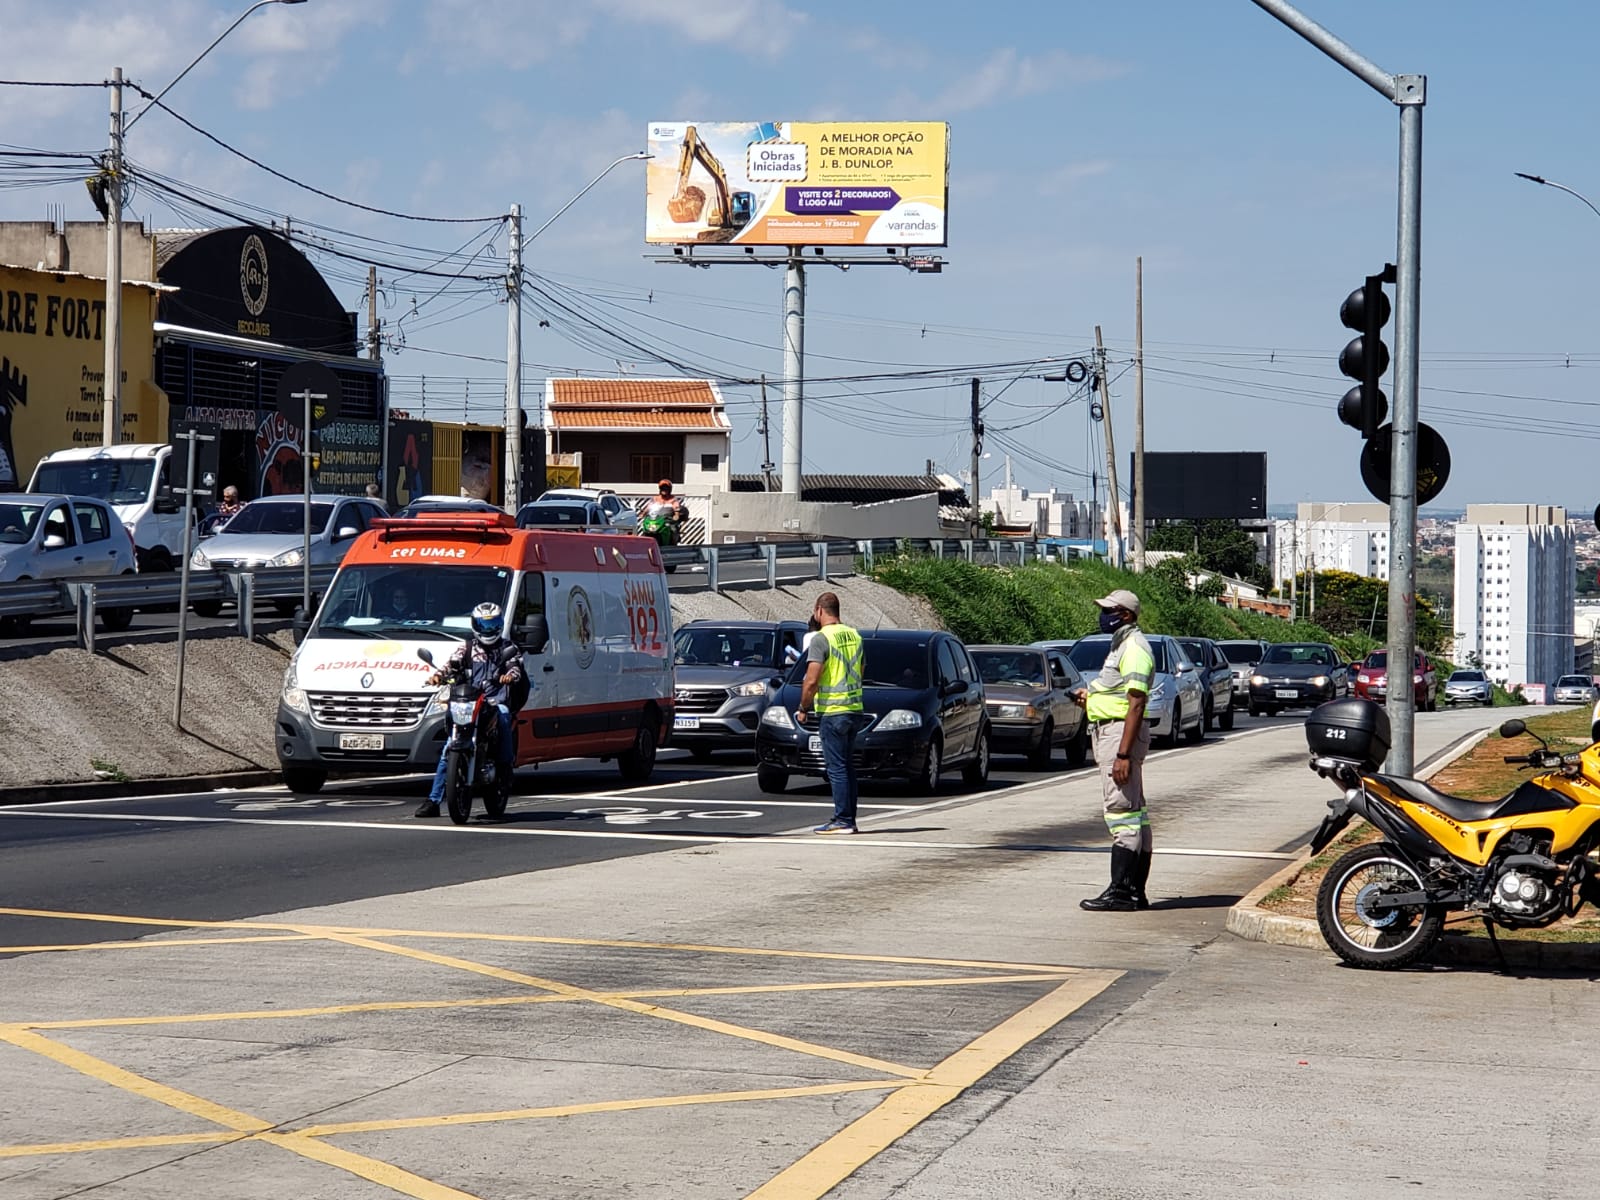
1259 680
778 717
1416 679
901 718
289 558
1319 681
1015 712
1159 692
1363 677
750 689
295 698
198 560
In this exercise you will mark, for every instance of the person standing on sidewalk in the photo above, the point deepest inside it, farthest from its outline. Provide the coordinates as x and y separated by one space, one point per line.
1114 702
832 688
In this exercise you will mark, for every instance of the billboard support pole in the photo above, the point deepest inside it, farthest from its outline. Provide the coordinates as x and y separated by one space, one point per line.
794 360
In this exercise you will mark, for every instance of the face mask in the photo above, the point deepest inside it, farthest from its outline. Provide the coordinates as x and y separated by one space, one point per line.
1110 620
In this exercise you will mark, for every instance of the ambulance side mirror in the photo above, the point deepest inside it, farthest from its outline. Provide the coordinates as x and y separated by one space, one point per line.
534 634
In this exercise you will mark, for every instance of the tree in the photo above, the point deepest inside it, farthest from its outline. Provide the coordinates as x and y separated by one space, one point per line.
1220 546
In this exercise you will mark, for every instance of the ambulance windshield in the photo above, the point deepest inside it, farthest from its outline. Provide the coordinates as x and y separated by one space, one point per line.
410 600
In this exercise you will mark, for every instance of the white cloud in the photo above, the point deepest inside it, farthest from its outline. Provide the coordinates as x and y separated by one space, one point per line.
1009 75
759 26
1063 179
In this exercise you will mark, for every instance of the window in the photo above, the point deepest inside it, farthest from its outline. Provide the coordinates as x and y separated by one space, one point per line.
649 468
57 525
710 462
530 599
948 671
92 523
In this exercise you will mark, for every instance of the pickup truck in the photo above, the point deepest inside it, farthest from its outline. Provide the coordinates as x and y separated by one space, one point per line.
133 479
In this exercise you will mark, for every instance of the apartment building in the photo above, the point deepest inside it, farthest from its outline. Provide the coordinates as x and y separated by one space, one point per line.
1350 537
1514 574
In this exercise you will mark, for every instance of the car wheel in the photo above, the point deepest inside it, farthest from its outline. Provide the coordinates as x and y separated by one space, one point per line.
207 608
115 620
771 780
1225 722
1039 757
1255 710
286 608
1078 747
976 773
637 763
304 780
1197 734
927 783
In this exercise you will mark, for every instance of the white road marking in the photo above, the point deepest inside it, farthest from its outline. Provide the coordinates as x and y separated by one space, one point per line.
763 802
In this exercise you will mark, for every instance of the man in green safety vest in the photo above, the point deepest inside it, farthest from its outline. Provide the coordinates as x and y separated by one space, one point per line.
832 689
1115 702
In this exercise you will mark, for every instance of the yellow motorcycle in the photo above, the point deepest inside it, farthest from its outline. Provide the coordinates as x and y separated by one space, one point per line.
1523 861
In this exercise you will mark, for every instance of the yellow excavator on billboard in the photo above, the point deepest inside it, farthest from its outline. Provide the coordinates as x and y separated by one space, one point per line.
731 210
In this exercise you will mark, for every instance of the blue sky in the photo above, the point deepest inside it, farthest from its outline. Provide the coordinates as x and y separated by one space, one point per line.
1255 177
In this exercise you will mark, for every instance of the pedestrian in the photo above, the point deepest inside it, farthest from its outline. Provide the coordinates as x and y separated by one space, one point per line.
375 494
1114 703
832 688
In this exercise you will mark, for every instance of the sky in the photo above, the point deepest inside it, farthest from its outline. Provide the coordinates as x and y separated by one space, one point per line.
1255 177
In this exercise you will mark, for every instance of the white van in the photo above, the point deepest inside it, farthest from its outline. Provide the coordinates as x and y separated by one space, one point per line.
133 479
590 612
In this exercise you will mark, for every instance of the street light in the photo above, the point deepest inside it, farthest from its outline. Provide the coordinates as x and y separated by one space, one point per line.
112 189
1560 187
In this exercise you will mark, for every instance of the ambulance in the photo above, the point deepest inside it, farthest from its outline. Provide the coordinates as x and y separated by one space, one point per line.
589 611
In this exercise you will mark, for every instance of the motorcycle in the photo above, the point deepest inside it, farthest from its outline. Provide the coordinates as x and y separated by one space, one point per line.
474 735
1523 861
662 527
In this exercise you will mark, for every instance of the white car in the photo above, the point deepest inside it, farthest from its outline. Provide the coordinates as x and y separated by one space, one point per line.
1177 703
64 537
617 510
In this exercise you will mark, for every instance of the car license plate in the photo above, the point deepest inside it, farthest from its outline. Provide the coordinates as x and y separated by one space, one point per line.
1287 694
686 723
361 741
815 744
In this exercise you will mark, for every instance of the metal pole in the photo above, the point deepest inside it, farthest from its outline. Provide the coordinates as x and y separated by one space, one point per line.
193 439
1113 550
794 352
1138 414
1341 52
513 488
111 432
1403 463
973 503
305 484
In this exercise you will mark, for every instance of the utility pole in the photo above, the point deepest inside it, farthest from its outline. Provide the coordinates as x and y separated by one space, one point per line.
977 452
766 440
111 434
374 339
794 345
1138 413
1114 508
513 486
1294 570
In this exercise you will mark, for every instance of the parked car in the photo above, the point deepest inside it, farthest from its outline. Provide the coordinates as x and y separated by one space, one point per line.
1297 675
1574 689
924 702
270 532
64 537
1177 700
574 514
1031 710
419 505
1372 680
617 510
1216 679
724 673
1468 687
1242 654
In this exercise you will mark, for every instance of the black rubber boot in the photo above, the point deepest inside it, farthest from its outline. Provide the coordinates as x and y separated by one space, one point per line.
1119 896
427 809
1140 876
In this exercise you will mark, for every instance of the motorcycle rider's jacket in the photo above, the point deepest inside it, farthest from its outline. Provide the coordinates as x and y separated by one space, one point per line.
488 664
671 509
1129 663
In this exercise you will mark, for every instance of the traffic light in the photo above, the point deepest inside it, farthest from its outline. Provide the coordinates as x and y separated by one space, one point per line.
1366 358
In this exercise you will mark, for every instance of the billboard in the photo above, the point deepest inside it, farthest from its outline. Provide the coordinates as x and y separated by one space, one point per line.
1202 485
797 183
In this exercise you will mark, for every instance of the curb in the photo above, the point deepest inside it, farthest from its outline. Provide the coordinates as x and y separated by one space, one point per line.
178 784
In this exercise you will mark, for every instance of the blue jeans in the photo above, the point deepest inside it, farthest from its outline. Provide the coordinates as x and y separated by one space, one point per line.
838 753
502 761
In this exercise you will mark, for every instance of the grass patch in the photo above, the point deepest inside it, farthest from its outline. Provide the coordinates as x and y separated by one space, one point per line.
1481 775
106 770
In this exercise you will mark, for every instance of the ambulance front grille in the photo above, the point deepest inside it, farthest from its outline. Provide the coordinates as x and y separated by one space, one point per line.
367 710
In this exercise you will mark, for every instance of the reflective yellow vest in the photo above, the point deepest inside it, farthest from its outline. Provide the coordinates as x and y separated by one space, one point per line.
1128 665
839 689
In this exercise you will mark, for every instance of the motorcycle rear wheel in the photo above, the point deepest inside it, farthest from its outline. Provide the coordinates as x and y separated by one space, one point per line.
1385 940
458 788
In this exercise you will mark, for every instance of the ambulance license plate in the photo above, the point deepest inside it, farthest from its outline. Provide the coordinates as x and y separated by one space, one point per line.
361 741
815 745
686 722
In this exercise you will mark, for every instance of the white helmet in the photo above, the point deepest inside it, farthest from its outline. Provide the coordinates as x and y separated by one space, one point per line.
487 622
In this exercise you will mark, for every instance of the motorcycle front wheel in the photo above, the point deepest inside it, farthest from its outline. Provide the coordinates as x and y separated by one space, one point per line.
458 787
1381 939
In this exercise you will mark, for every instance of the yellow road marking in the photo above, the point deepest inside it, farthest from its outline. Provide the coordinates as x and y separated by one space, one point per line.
376 1171
127 1143
777 1041
836 1159
377 1006
98 1068
605 1106
151 943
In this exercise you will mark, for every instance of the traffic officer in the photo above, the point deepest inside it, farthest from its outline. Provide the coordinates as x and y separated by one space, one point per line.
833 688
1114 702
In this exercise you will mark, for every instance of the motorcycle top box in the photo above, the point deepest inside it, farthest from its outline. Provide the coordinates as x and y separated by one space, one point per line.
1351 730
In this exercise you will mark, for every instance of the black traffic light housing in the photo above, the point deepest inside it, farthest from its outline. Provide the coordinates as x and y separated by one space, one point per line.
1366 311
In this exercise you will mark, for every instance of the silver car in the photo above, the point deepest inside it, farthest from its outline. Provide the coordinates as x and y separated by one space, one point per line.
61 537
1468 687
617 511
1177 701
1574 689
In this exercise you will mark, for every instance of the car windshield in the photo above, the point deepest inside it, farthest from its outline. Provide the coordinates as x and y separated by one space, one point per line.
117 480
554 514
1089 655
17 520
1467 677
373 599
1241 654
278 517
1021 667
1578 681
1302 655
720 646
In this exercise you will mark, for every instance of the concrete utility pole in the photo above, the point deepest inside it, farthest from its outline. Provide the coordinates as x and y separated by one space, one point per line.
975 527
1409 94
1138 414
766 440
513 481
374 337
111 432
1114 530
794 357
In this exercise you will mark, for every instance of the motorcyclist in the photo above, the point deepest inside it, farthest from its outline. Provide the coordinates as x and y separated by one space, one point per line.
496 664
665 504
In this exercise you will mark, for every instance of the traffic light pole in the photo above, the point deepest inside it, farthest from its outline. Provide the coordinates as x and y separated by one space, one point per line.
1409 94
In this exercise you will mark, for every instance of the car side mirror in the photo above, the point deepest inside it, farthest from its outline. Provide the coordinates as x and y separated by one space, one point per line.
54 541
954 688
1515 727
775 682
301 624
165 503
346 532
534 634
